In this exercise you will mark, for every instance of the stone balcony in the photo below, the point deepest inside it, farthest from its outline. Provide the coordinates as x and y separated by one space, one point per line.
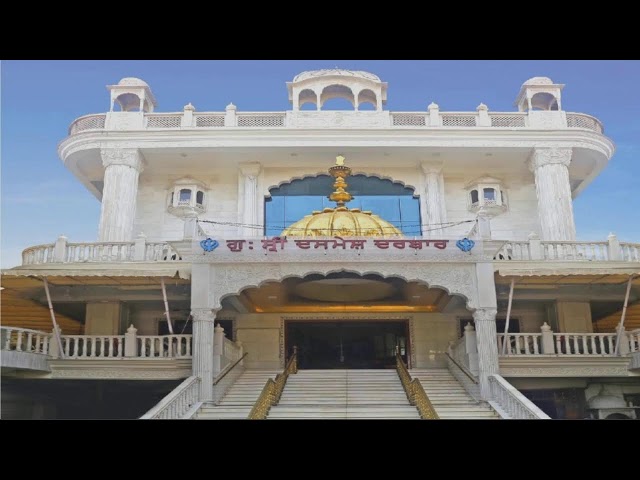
514 253
189 119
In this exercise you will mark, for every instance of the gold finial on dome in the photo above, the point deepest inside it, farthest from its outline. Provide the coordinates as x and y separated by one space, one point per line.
341 220
340 171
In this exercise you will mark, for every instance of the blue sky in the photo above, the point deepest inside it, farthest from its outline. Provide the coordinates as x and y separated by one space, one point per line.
40 199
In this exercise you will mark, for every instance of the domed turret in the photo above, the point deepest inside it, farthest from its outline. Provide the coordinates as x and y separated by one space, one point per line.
341 221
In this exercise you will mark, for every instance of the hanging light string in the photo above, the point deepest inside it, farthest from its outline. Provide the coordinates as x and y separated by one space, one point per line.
435 226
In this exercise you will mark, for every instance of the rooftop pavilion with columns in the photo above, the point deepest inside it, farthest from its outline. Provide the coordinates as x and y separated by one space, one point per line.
426 251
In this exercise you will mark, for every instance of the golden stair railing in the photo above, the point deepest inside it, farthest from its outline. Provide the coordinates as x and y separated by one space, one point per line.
415 391
272 390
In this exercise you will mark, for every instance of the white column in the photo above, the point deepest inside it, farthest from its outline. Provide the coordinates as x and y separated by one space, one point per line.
119 195
249 215
555 209
433 204
202 365
485 320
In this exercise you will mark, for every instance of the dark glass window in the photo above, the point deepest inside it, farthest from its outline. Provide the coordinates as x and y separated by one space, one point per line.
474 196
199 198
489 194
392 202
185 195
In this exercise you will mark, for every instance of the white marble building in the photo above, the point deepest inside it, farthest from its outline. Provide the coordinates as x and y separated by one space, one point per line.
142 301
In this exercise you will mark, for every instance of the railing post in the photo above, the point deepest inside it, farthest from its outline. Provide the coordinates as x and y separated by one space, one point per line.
54 347
535 246
434 115
60 250
140 247
547 345
471 348
131 342
218 339
623 338
483 119
187 116
240 352
230 119
613 248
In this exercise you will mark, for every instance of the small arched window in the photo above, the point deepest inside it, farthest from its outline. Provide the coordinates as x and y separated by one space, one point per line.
474 196
199 197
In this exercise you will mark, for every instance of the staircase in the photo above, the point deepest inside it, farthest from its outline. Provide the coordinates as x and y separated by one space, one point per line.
449 398
342 394
239 399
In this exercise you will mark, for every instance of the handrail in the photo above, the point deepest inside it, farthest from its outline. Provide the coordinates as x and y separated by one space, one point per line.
228 368
415 391
511 401
272 390
177 403
463 368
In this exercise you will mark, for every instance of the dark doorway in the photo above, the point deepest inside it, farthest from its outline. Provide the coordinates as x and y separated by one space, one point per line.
348 345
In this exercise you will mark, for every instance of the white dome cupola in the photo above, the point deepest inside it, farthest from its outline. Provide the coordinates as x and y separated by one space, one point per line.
318 86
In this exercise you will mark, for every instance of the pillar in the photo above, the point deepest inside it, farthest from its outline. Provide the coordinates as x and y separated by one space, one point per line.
248 213
433 199
202 366
485 320
119 195
555 209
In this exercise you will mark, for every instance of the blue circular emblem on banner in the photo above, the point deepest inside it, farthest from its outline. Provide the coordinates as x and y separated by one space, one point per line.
465 244
209 245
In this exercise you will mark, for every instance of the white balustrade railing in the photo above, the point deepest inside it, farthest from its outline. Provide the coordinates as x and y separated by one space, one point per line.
634 340
155 252
586 251
261 119
164 346
514 251
99 252
584 343
458 352
630 252
24 340
231 351
92 346
178 403
190 119
512 402
87 122
581 120
38 254
520 343
163 120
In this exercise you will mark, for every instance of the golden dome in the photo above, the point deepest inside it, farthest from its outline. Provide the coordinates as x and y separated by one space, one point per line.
341 221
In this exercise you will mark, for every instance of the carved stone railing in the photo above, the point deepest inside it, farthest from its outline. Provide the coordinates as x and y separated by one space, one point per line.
464 377
610 251
509 402
567 343
87 122
164 346
520 343
99 252
24 340
92 346
227 378
432 118
178 404
231 351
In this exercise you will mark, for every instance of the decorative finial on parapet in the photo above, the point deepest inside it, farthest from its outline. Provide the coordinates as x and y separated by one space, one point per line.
545 327
612 235
468 327
433 106
231 106
132 329
533 236
482 106
188 106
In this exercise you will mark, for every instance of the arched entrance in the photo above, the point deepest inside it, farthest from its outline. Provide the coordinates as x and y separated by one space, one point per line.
344 320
